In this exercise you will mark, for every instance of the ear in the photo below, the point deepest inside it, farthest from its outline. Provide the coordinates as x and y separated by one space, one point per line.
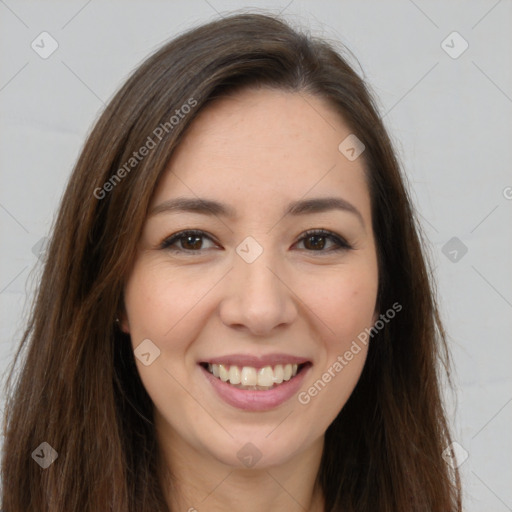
123 323
376 315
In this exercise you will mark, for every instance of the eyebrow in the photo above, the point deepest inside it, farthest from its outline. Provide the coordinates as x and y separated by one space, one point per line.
214 208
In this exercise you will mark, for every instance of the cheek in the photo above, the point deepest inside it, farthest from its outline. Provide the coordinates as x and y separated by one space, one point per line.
345 302
161 305
159 301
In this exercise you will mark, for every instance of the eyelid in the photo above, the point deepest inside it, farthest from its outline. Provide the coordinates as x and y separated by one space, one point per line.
340 242
175 237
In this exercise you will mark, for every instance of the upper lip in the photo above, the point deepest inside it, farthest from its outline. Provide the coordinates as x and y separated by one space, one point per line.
255 361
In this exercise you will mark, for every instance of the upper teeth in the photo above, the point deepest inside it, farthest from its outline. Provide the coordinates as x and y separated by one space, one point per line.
250 376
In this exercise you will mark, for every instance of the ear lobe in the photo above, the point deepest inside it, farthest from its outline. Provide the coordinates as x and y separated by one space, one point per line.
123 323
124 326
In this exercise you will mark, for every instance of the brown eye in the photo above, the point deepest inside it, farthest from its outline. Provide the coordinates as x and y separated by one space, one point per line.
190 241
316 240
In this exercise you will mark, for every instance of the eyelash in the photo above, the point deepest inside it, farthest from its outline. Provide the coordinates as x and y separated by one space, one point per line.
342 245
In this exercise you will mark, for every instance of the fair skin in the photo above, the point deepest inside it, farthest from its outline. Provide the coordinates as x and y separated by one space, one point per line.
255 151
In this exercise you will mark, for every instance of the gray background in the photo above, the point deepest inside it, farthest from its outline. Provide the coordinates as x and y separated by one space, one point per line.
450 119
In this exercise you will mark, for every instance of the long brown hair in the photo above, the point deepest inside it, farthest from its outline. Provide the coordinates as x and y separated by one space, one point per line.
78 388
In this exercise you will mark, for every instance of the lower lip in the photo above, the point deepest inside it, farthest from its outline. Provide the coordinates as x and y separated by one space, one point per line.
250 400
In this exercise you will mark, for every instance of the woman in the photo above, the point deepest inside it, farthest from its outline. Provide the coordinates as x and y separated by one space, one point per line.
235 310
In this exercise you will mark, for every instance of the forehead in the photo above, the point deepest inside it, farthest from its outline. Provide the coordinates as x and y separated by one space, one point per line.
264 144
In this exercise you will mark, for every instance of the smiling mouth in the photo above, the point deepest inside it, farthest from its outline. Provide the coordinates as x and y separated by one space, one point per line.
255 379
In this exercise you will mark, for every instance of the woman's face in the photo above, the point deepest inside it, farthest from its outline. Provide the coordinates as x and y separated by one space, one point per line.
250 290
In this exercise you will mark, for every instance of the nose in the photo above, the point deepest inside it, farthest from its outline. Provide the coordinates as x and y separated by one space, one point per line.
257 297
